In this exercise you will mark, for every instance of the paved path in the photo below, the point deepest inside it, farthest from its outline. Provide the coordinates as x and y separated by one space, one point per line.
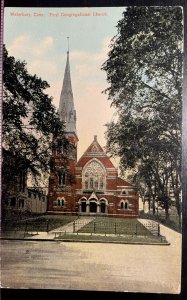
92 266
68 228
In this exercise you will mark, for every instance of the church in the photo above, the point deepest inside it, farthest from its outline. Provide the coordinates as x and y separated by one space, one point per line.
89 186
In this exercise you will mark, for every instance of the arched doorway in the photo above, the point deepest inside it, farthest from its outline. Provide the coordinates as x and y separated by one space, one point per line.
83 206
103 207
93 207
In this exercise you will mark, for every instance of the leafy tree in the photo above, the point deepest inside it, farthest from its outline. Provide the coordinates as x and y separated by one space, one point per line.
29 118
144 72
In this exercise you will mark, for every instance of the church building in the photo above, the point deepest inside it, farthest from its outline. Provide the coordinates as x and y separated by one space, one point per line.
89 186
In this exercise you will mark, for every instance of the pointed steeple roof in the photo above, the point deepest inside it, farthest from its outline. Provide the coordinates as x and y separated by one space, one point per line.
66 106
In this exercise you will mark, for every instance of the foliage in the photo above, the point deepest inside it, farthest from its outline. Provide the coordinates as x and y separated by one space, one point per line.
29 117
144 72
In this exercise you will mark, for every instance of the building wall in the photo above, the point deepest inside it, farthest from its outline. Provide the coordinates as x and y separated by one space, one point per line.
75 198
30 202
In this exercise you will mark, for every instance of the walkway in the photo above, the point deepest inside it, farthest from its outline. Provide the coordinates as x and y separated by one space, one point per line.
68 228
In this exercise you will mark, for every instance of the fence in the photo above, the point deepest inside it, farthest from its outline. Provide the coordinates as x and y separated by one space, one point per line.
153 227
27 226
116 228
147 228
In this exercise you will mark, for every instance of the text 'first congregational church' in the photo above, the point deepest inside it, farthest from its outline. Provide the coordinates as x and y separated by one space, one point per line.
90 185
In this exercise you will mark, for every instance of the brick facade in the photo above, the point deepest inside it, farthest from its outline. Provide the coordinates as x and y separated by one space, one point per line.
95 188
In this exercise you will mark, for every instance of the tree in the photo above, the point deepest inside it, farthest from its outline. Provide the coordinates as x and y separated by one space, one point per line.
144 72
29 118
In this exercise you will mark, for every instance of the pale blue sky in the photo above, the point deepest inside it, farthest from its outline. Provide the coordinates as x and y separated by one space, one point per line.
41 41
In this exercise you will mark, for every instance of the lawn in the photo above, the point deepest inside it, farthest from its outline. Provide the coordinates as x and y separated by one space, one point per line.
172 222
115 226
42 223
100 229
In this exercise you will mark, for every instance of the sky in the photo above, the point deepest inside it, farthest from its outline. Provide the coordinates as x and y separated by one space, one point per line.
39 36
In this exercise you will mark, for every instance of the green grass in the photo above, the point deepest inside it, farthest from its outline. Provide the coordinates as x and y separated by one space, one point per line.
43 223
172 222
101 229
116 225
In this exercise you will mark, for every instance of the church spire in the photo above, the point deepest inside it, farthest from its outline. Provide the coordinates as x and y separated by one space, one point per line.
66 106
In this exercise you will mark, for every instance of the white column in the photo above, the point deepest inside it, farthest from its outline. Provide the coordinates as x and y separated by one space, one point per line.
87 208
98 208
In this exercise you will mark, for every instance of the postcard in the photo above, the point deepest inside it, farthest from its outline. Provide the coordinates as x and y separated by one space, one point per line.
92 124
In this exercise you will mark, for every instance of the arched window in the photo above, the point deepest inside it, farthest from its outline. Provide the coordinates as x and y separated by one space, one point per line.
124 205
60 202
62 177
94 176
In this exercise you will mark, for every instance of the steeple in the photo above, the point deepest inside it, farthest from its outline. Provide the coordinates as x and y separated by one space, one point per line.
67 111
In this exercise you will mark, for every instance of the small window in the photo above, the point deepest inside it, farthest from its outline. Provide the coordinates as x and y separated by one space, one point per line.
29 194
60 202
124 192
124 205
62 178
43 199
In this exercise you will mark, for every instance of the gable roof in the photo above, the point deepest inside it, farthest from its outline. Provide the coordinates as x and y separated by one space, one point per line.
95 151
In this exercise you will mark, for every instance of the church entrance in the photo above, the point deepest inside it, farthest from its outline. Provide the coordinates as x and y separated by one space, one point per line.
93 207
103 207
83 206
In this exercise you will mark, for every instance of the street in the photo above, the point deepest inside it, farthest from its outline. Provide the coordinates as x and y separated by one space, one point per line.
92 266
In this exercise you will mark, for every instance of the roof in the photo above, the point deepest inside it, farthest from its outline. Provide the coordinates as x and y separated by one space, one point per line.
66 106
122 182
95 151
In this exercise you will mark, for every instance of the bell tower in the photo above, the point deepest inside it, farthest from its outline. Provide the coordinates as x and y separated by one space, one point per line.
64 151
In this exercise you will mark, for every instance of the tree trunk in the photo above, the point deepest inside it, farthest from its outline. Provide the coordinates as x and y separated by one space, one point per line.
154 209
167 213
178 206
